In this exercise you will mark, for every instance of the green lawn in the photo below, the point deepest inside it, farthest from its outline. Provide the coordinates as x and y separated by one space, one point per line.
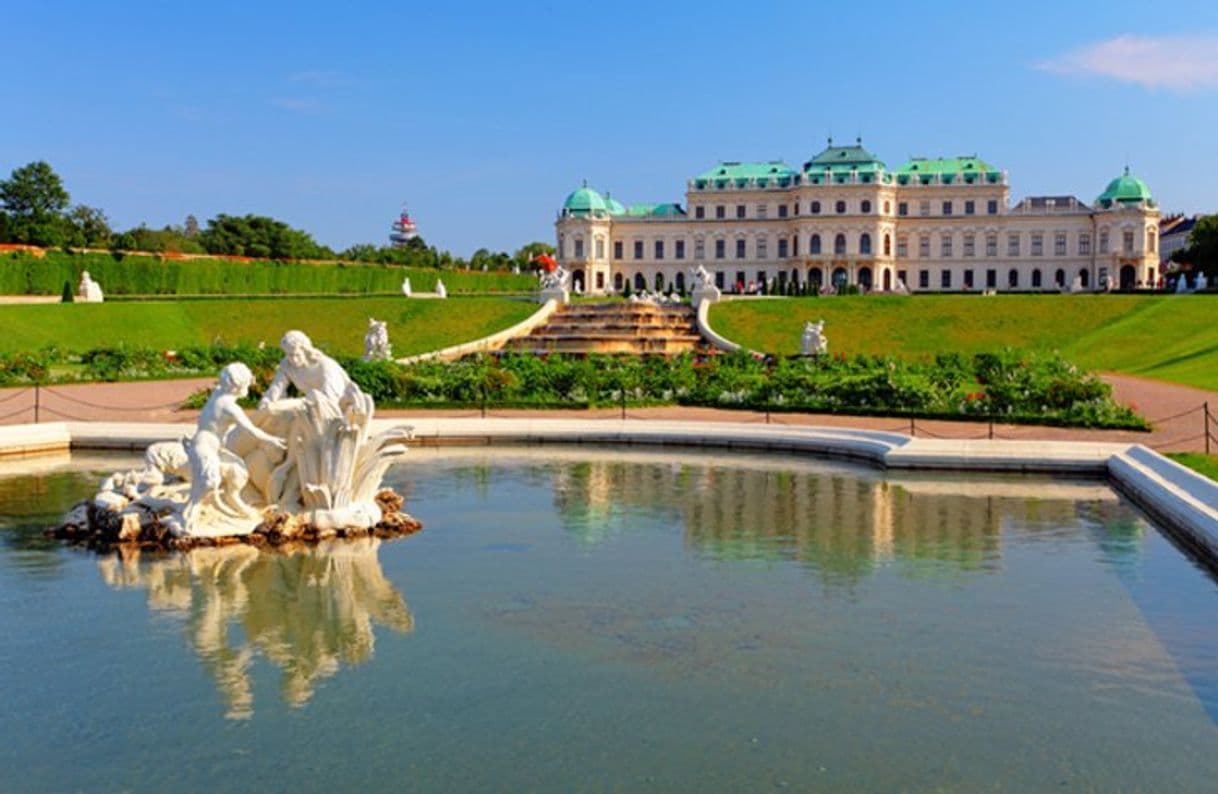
1172 338
1198 462
337 324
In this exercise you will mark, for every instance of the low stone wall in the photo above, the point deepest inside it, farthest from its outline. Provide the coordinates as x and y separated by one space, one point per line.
1185 502
488 343
708 333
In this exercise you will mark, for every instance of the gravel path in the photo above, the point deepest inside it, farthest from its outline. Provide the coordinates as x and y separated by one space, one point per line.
157 401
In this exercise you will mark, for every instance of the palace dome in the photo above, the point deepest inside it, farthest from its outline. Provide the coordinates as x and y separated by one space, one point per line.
614 206
1125 189
584 201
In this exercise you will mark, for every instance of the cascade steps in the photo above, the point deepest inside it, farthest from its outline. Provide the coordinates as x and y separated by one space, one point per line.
624 328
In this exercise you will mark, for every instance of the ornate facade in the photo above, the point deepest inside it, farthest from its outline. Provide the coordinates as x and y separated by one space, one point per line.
932 225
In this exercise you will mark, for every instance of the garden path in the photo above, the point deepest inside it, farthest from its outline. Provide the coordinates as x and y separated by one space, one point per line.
157 401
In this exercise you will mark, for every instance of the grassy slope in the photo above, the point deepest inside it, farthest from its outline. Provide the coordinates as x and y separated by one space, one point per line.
337 324
1165 337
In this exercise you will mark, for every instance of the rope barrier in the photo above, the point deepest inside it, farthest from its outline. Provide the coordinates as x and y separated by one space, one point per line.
1177 416
19 411
15 395
62 415
175 404
1174 441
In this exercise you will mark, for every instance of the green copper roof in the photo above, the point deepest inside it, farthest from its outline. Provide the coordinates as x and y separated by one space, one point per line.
654 210
583 201
768 174
839 164
614 206
947 170
1125 189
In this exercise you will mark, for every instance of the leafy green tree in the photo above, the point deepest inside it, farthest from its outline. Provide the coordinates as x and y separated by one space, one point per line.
260 237
1202 250
90 227
190 228
34 200
524 255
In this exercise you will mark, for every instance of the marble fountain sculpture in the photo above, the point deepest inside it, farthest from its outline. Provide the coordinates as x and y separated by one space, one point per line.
813 342
297 468
376 341
556 285
89 291
703 288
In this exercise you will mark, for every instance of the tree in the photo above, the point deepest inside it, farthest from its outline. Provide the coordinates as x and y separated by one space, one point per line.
34 200
261 237
90 226
1202 250
524 256
191 226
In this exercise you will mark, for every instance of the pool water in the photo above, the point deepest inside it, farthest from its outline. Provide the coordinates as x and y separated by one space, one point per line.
573 619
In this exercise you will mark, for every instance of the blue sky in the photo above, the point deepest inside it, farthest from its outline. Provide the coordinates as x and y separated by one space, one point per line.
483 116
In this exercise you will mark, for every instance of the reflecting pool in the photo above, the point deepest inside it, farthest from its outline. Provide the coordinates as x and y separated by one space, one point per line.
574 619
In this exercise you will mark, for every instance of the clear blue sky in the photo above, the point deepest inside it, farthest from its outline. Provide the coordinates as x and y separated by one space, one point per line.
482 116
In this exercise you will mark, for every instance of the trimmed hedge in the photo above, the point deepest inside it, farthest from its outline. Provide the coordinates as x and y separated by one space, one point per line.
22 273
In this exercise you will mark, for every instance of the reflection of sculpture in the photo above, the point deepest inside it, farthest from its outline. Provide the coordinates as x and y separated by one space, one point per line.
89 291
308 611
813 342
376 341
297 467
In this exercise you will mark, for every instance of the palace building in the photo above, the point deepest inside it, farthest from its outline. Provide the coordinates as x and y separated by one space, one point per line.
932 225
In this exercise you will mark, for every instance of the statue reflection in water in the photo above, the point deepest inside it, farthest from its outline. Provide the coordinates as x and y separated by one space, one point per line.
308 610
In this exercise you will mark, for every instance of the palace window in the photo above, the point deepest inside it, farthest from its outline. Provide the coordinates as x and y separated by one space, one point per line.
864 243
1038 244
1084 244
887 207
740 248
762 211
699 248
1012 245
680 252
814 244
924 278
865 207
1127 239
924 208
1012 278
970 207
991 207
814 208
839 244
945 278
720 249
763 248
1036 279
720 211
968 279
1151 237
795 208
617 249
947 208
991 245
991 278
699 212
638 249
970 245
600 247
1059 244
562 247
1104 242
782 210
579 248
887 244
739 210
902 246
945 246
840 208
795 245
924 246
659 249
782 248
1059 278
902 208
618 282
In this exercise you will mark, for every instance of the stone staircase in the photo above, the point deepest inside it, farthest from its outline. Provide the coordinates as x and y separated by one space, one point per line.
620 327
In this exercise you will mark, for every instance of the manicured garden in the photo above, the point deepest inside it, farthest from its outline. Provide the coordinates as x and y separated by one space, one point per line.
336 324
1173 338
23 273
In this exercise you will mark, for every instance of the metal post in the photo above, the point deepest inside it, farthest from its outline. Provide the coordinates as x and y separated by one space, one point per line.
37 402
991 426
1206 408
913 432
767 413
623 391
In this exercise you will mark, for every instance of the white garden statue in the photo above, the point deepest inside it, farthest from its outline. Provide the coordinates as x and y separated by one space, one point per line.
703 287
441 290
1077 284
406 288
89 290
304 466
555 285
813 341
376 341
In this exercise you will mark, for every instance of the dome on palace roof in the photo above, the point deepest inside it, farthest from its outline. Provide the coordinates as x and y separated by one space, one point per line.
584 200
614 206
1125 189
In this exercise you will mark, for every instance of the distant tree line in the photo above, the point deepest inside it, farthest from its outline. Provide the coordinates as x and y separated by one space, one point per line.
36 209
1202 249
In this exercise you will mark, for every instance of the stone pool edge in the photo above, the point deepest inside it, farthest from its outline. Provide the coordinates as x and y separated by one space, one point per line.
1185 502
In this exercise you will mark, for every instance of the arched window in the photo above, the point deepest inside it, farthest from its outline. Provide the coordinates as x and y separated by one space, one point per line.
865 207
814 244
640 283
1059 278
1036 278
814 276
887 207
839 244
815 208
864 243
1012 278
839 277
618 286
887 246
680 281
1084 276
659 280
864 277
840 208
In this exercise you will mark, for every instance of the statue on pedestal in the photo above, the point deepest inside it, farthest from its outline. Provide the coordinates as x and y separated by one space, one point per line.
376 341
441 290
555 284
406 288
89 290
704 288
813 342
